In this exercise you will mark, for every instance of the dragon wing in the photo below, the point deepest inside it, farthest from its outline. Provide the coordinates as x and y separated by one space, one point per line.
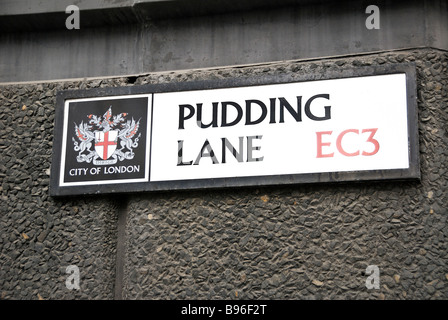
118 118
83 133
132 129
95 120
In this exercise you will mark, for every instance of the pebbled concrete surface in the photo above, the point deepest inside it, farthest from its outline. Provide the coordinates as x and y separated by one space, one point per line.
295 242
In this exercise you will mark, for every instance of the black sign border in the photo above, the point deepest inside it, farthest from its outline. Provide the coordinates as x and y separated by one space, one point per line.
411 173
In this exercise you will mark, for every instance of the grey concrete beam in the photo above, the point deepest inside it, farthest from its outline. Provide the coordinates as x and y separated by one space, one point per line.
32 15
20 7
299 31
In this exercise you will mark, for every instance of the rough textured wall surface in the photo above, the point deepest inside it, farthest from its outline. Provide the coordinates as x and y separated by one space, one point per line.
41 236
308 241
289 242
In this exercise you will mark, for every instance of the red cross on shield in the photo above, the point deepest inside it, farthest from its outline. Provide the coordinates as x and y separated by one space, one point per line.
105 143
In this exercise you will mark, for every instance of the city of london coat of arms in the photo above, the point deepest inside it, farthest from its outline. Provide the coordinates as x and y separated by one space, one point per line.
106 139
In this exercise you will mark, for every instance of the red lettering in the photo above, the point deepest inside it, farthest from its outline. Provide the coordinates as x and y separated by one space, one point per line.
339 143
321 144
371 140
339 147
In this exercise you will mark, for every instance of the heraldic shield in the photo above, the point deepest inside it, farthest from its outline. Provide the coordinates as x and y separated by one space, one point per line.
114 139
106 143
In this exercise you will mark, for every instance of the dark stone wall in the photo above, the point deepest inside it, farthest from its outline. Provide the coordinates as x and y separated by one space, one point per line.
290 242
306 241
40 236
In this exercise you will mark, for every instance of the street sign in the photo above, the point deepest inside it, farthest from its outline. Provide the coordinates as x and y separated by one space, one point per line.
360 124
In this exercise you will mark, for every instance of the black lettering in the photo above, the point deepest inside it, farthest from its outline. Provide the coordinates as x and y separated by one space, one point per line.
272 108
210 153
226 144
237 107
182 116
180 147
296 114
264 111
214 122
250 148
327 108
